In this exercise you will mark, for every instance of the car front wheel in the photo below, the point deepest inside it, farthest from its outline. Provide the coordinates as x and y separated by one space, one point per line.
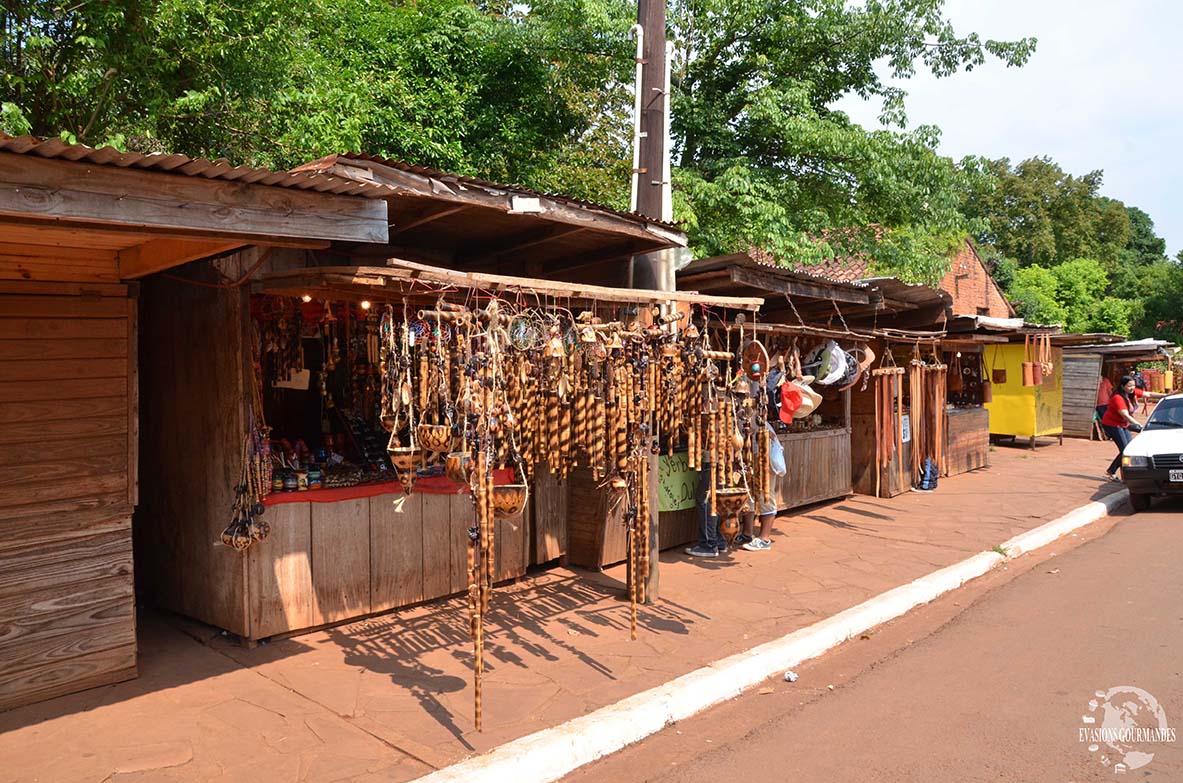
1139 502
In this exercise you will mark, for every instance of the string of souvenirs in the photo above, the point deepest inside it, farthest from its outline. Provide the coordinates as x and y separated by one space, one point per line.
473 393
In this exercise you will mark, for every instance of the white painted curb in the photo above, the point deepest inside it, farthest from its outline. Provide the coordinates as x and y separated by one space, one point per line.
549 754
1078 518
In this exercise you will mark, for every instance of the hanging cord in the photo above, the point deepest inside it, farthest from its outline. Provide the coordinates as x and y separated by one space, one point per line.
841 318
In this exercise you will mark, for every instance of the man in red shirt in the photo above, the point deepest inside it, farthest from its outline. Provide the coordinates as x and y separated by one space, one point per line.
1117 421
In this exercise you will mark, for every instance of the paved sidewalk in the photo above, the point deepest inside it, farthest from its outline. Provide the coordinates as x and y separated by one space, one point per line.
390 698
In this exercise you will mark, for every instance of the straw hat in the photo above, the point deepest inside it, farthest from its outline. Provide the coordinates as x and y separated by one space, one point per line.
809 400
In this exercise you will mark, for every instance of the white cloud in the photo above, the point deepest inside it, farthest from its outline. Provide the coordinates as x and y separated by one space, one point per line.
1104 90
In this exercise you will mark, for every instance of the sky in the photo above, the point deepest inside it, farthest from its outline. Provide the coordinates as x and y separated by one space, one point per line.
1104 90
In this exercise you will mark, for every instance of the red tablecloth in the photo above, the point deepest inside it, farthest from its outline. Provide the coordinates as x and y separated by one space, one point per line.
430 485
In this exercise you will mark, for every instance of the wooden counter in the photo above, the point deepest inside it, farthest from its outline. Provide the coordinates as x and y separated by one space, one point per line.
818 467
327 563
967 440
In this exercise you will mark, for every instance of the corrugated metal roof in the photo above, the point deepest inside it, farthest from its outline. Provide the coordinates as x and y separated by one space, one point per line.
1129 346
191 167
425 171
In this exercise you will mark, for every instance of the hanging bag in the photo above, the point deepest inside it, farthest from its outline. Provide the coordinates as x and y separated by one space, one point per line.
1036 365
1045 356
1028 364
956 382
997 374
776 453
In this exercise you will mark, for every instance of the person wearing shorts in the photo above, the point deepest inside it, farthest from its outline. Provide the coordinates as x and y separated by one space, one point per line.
752 542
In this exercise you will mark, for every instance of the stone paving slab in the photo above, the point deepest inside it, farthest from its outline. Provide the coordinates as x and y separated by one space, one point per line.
390 698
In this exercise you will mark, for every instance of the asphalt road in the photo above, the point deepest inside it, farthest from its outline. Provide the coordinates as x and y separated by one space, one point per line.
990 683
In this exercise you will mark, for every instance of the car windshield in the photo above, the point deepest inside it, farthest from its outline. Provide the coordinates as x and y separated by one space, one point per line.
1167 415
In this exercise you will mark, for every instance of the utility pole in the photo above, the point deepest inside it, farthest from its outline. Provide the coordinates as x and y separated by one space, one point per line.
652 270
650 185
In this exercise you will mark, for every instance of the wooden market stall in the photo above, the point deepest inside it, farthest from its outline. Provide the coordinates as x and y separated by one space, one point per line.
854 425
78 226
1026 407
1086 360
356 544
970 387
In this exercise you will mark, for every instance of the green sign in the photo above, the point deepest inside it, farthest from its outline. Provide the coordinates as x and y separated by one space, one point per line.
677 483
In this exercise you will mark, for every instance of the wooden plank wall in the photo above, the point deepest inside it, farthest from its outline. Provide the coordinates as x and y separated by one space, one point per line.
587 519
967 442
596 536
550 504
193 376
1082 376
327 563
818 468
68 456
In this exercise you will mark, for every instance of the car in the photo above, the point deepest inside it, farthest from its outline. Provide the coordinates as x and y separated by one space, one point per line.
1152 463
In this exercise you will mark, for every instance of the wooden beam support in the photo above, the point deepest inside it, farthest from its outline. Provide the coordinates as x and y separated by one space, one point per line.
622 250
400 274
160 254
770 281
520 242
62 190
399 228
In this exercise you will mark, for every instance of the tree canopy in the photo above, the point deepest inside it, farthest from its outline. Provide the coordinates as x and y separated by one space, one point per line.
539 93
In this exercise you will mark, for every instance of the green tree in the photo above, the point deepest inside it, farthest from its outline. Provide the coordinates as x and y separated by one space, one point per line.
764 159
496 90
1036 213
1033 292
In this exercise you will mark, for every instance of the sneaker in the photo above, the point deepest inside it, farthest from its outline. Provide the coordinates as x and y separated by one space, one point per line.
758 544
701 551
742 539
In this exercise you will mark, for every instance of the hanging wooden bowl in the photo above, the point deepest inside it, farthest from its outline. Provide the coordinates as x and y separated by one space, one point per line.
509 500
404 458
434 437
458 465
729 501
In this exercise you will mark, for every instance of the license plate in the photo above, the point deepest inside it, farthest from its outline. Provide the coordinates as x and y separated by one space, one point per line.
1175 475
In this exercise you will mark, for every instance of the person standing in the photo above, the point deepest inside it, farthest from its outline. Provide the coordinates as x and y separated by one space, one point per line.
710 540
1104 392
1118 421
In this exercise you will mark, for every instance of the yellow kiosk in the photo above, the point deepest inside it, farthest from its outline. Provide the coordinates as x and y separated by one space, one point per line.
1019 411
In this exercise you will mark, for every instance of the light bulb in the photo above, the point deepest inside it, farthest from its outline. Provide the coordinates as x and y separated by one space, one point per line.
365 304
306 297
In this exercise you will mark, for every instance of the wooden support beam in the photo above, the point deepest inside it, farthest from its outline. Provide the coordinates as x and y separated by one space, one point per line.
519 242
401 274
159 254
62 190
399 228
620 250
770 281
